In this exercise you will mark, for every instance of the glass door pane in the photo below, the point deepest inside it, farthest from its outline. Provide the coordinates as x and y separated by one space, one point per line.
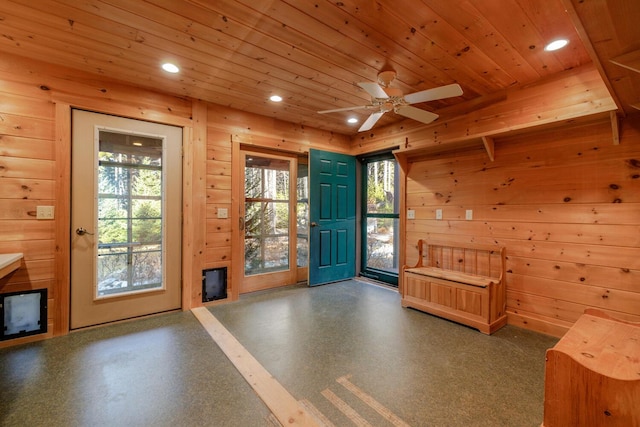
267 212
130 211
380 219
302 216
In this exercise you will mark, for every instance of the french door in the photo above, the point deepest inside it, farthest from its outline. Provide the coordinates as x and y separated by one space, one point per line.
125 218
268 215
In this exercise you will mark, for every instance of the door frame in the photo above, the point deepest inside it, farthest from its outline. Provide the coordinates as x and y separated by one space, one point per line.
370 272
87 309
193 185
264 281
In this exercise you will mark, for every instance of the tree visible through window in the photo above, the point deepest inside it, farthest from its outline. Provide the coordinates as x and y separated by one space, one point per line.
129 213
266 215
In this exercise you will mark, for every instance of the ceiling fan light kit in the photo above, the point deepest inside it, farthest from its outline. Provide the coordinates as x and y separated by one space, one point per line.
385 98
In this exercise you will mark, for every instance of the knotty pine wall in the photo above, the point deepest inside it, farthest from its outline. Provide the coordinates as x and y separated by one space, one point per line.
565 204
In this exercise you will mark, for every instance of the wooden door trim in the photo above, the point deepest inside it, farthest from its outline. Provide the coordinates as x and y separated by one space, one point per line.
62 257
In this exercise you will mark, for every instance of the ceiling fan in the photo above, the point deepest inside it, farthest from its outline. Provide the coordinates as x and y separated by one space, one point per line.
385 98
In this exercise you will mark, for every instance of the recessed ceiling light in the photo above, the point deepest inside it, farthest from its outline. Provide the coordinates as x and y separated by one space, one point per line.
170 68
275 98
556 44
352 120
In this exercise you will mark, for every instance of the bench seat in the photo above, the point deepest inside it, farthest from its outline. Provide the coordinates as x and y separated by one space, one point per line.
462 283
455 276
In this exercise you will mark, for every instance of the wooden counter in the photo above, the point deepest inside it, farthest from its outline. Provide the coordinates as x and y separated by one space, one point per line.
9 263
592 375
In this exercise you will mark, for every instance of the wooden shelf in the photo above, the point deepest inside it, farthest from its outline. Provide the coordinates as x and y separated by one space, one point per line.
9 263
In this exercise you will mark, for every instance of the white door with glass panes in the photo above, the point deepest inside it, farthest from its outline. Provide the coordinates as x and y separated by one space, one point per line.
125 218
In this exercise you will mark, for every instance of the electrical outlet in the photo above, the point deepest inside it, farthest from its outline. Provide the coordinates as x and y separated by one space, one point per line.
223 213
411 214
469 215
44 212
438 213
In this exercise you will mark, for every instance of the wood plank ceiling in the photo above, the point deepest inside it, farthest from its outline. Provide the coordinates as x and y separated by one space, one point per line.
313 53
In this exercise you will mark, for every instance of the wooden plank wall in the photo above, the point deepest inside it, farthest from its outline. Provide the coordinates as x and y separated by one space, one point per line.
565 204
35 102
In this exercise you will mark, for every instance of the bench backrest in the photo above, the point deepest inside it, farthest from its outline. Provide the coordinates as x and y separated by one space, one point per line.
482 260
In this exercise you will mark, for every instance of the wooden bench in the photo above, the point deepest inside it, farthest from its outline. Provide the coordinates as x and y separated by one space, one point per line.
465 284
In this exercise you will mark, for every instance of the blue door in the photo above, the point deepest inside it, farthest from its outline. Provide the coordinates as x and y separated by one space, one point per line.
332 214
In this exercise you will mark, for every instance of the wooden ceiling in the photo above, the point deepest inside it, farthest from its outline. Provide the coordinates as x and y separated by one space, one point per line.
237 53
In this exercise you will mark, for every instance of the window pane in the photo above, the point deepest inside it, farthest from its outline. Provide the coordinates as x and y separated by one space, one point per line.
112 231
113 180
302 251
147 182
266 178
252 183
146 231
302 216
129 213
112 207
266 215
147 267
112 271
381 186
381 244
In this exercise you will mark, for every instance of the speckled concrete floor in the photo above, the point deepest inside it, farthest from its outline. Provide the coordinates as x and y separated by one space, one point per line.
318 342
160 371
426 370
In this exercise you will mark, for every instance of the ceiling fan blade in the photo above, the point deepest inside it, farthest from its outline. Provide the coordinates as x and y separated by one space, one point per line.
371 121
441 92
357 107
374 89
416 114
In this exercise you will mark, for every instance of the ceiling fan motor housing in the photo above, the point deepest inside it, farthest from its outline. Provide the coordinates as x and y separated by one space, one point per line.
386 77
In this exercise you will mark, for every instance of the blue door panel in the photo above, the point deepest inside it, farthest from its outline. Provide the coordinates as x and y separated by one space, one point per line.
324 248
326 200
325 166
342 247
342 169
342 202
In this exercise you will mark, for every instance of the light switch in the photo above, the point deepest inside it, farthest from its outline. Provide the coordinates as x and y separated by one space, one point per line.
44 212
469 215
438 213
223 213
411 214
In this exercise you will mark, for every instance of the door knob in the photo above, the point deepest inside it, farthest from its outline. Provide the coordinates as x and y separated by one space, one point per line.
314 224
81 231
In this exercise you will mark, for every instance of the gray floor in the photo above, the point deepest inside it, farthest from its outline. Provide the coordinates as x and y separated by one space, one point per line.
166 370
